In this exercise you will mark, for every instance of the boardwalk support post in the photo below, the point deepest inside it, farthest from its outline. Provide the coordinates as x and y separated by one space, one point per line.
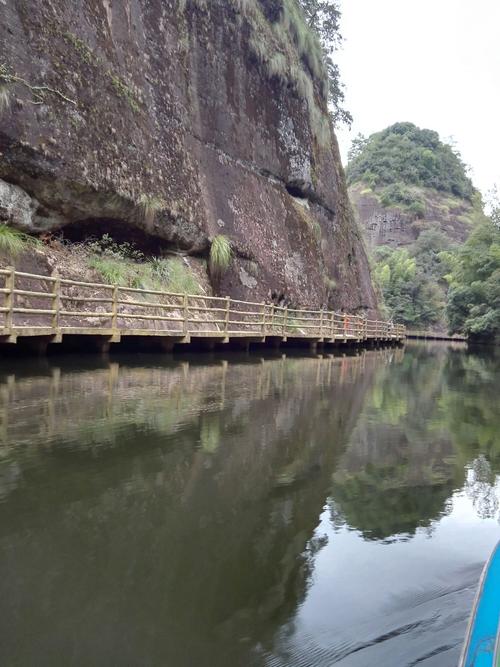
114 310
9 298
56 301
226 319
185 315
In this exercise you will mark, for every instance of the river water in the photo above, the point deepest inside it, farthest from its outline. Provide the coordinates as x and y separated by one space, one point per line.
246 510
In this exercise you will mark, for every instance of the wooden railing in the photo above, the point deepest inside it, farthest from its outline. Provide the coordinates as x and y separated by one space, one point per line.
36 304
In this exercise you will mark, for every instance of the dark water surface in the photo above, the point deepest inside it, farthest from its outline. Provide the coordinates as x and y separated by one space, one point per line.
246 511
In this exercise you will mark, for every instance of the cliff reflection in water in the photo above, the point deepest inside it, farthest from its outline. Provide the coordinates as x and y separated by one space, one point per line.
165 513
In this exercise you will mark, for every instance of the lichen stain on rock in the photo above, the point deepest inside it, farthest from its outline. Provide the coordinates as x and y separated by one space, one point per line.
246 279
171 102
17 208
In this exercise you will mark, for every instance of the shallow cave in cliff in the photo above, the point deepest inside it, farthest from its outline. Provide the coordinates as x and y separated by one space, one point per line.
120 231
296 190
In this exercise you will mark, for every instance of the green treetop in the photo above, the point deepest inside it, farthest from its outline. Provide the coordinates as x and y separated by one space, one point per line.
404 153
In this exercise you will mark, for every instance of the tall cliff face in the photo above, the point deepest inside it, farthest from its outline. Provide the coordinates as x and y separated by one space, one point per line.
181 120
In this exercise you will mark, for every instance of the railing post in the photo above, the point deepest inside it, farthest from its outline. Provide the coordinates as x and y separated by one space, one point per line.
9 297
226 319
333 325
263 325
114 309
285 318
185 315
56 301
272 318
321 324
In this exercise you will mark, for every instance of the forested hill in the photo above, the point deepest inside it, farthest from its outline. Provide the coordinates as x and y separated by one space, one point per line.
417 205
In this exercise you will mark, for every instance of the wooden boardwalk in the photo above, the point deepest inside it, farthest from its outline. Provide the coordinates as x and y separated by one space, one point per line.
435 335
41 310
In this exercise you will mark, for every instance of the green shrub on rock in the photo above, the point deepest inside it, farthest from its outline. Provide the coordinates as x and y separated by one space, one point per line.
220 255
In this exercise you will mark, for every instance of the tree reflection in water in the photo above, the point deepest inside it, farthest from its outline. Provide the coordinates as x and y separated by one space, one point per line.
481 487
429 428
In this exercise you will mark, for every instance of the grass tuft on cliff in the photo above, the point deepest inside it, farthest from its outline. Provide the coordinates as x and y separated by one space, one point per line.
112 271
306 42
14 242
221 254
163 274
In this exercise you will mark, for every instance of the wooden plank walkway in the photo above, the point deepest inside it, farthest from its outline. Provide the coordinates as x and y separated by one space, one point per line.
39 310
435 335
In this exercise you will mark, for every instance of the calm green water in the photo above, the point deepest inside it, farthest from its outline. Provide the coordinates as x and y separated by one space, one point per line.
246 511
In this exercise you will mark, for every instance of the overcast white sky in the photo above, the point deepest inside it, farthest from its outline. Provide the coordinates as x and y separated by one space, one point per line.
435 63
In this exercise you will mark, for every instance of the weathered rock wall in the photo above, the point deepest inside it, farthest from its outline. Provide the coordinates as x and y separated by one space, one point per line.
172 117
396 227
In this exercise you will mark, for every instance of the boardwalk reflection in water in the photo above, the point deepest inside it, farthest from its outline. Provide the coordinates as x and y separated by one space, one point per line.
219 512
